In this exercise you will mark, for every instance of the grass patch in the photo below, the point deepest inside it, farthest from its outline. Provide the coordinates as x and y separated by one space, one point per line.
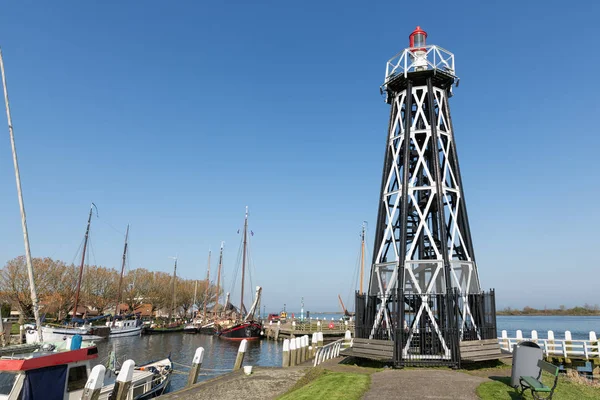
14 329
485 365
565 390
311 375
323 384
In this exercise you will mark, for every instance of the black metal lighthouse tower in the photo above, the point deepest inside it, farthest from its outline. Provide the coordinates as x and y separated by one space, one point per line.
424 291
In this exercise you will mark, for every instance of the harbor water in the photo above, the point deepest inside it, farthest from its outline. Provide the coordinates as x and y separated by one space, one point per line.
220 354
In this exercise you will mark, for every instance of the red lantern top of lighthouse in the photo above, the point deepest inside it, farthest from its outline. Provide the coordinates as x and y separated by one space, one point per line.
417 38
418 57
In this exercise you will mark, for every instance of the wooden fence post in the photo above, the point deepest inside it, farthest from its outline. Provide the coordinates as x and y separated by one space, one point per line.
196 364
123 382
304 343
292 352
94 383
306 353
286 353
320 339
298 351
240 355
314 344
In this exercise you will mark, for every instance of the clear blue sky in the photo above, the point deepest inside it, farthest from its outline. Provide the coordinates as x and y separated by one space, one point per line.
173 116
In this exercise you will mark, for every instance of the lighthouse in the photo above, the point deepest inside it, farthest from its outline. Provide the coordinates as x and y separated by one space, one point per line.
424 291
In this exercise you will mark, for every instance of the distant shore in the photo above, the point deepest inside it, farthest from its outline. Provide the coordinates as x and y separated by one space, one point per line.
584 311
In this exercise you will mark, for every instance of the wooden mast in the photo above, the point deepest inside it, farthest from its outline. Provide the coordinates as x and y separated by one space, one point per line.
219 278
32 291
244 263
362 258
206 291
121 279
87 234
172 311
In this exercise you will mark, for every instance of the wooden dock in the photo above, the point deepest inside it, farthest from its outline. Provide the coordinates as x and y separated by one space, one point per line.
332 330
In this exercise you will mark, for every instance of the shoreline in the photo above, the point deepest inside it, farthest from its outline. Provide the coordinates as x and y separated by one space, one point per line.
501 314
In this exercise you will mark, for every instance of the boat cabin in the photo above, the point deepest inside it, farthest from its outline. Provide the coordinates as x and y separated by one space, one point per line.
46 374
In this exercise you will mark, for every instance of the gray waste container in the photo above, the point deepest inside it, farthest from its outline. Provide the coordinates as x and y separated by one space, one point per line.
524 363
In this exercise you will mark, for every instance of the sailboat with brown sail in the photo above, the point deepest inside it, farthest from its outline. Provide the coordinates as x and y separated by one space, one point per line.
246 326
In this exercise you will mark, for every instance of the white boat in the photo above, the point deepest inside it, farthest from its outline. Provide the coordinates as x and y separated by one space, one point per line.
57 334
53 372
126 328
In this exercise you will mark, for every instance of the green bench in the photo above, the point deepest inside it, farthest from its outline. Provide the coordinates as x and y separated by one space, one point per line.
536 385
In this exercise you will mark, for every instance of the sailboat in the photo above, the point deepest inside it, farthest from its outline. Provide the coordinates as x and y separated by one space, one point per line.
171 326
87 331
124 327
196 323
246 327
60 371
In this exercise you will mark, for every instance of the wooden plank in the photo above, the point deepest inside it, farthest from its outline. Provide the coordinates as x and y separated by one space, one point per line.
371 356
472 343
374 341
377 351
480 353
372 346
350 353
476 349
486 358
380 352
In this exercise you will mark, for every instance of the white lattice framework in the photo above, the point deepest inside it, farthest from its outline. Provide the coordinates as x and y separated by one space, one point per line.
435 58
433 237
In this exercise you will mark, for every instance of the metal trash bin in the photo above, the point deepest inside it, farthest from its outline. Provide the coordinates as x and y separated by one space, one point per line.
524 363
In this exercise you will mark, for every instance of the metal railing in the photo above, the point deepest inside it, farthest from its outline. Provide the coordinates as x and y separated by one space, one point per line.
552 347
327 352
435 57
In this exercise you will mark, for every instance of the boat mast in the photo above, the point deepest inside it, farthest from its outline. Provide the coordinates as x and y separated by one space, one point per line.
172 312
244 263
194 302
87 234
206 291
219 278
121 278
33 292
362 257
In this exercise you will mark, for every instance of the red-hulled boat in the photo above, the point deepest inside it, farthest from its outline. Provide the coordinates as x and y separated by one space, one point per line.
246 330
247 327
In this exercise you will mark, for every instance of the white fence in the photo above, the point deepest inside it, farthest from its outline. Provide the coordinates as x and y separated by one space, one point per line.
328 351
552 347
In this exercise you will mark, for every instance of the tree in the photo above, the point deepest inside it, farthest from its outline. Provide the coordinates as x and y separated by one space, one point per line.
62 285
99 287
14 282
185 295
138 288
162 296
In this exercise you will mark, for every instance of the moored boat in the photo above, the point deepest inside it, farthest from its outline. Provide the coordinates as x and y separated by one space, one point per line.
132 327
58 333
249 330
56 372
245 327
171 328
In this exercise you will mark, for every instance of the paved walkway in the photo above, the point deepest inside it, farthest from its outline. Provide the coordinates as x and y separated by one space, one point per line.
423 384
